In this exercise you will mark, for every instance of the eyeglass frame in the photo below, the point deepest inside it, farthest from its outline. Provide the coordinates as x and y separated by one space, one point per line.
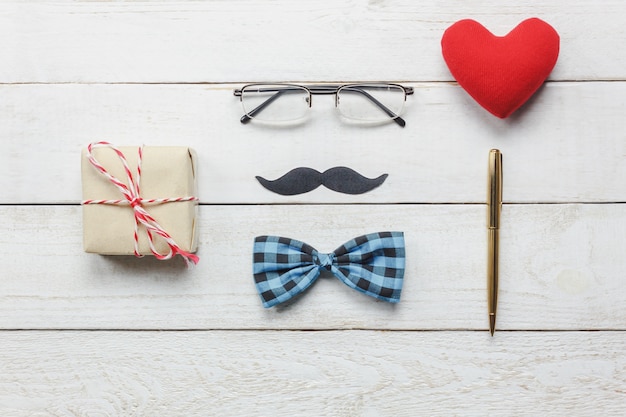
324 89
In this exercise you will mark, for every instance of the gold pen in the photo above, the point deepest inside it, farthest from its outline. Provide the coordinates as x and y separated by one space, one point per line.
494 206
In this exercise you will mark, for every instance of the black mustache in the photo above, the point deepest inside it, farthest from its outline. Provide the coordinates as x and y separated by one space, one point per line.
341 179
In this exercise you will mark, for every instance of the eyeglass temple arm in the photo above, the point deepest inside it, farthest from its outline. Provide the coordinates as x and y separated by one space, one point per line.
399 120
247 117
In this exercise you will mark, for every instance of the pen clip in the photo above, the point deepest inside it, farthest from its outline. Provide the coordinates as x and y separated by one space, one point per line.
494 197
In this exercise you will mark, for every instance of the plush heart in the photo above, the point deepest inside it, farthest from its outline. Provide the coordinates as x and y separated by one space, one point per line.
500 72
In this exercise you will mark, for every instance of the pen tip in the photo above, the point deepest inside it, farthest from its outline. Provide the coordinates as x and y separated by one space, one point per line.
492 323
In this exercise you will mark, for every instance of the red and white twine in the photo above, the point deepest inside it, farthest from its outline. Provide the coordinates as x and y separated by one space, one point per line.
132 197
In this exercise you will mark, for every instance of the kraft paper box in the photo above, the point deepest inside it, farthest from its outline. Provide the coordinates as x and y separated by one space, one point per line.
166 172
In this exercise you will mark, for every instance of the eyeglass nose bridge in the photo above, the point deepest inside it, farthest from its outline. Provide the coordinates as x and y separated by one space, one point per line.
309 98
324 90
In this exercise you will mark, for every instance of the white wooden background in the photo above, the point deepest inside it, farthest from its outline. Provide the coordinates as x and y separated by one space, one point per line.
87 335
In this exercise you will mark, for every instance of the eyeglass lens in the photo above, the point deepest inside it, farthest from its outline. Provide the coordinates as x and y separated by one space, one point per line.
275 102
370 102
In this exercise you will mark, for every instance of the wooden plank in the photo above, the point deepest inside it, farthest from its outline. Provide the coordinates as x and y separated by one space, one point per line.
561 268
551 148
339 373
224 41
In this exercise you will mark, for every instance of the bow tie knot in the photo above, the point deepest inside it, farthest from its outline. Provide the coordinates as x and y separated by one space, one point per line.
372 264
324 260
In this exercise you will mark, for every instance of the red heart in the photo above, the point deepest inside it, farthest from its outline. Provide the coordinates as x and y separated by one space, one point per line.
500 72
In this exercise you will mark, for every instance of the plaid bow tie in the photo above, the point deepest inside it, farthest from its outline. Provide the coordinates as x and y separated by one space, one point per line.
372 264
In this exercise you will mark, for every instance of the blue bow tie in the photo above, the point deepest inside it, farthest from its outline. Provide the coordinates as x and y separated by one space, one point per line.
372 264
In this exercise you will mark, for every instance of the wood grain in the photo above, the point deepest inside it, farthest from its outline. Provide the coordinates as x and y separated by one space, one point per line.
88 335
338 373
555 150
560 269
225 41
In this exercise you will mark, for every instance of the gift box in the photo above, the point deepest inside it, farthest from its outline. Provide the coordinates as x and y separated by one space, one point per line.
110 216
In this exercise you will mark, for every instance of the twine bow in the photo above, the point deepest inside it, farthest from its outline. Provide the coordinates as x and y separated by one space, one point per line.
132 197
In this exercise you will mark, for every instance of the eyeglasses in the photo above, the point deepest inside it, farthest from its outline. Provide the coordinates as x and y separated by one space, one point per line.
370 103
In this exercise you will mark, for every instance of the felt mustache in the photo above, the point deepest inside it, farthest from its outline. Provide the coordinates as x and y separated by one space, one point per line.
341 179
